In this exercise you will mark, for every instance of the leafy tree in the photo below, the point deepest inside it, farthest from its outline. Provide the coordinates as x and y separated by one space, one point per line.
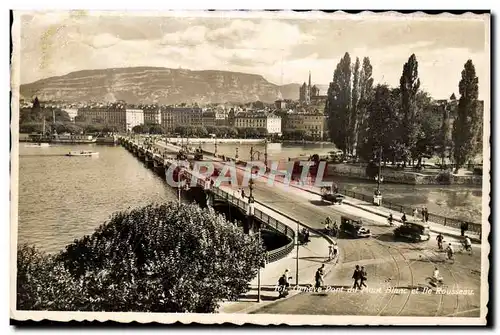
382 124
140 129
409 85
159 258
156 129
338 103
430 121
467 123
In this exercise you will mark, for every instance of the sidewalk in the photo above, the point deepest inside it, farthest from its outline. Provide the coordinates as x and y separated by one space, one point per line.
311 257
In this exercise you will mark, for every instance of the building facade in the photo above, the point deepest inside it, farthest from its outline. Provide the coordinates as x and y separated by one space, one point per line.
133 117
111 115
312 124
152 115
172 117
259 119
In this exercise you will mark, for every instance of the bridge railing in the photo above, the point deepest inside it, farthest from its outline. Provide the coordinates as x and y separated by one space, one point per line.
273 255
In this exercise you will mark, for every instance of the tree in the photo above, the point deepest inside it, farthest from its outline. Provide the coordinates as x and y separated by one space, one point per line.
429 134
353 118
467 124
338 103
365 96
409 85
159 258
382 123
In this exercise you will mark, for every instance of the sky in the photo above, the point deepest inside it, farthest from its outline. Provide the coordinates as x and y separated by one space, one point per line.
281 49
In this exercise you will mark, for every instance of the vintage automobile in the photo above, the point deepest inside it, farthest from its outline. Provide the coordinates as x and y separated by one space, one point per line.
413 231
333 197
353 227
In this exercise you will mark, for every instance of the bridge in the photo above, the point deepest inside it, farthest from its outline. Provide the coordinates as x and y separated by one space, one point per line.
399 264
162 163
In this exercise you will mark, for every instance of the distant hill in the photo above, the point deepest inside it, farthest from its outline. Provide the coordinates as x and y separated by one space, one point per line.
158 85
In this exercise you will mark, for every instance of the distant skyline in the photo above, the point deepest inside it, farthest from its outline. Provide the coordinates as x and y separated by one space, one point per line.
282 50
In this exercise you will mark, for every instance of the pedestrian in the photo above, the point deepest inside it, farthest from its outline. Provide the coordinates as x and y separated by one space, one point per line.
319 277
356 276
335 250
363 277
426 215
243 193
403 218
330 252
415 213
423 214
462 229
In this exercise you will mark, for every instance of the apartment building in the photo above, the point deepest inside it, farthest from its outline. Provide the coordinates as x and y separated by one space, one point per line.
133 117
258 119
172 117
313 123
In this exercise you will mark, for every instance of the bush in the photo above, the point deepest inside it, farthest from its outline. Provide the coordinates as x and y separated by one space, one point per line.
444 178
159 258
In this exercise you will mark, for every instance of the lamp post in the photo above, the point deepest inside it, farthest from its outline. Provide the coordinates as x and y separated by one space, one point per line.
251 224
265 154
377 198
215 147
297 256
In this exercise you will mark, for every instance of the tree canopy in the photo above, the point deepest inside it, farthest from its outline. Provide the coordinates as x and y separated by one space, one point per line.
159 258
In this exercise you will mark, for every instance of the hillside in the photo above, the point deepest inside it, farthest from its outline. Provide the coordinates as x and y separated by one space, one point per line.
158 85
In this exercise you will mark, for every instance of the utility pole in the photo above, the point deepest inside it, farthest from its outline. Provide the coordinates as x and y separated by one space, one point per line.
297 256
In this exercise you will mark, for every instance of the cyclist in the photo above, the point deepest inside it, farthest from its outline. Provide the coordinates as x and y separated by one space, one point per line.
439 239
389 219
436 278
450 251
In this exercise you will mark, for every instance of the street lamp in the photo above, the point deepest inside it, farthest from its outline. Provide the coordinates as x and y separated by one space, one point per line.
377 198
250 213
265 153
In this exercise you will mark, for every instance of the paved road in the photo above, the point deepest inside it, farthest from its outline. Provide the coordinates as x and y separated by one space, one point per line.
400 265
396 270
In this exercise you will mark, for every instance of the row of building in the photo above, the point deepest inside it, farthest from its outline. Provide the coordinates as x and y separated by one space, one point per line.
274 121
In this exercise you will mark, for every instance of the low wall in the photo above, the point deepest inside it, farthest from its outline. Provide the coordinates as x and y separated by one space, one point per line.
411 178
212 140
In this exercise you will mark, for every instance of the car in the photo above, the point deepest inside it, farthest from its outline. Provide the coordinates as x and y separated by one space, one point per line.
353 227
413 231
334 198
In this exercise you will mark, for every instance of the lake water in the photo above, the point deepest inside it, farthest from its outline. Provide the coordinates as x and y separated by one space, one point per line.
63 198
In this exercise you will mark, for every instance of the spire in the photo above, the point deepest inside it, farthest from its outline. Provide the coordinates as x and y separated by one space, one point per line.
309 79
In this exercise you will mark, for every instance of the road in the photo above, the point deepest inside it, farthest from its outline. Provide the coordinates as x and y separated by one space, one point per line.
389 263
397 271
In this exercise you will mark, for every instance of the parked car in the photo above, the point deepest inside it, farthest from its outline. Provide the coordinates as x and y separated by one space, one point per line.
353 227
413 231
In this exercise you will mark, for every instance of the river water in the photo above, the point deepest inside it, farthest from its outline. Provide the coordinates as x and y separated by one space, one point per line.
63 198
455 201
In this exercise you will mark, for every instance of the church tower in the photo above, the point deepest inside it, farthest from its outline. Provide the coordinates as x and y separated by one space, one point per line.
308 90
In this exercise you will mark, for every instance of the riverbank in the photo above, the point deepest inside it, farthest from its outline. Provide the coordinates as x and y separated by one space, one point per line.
406 177
179 140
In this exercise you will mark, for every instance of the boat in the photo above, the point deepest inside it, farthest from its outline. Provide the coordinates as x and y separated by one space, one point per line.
82 153
73 139
37 145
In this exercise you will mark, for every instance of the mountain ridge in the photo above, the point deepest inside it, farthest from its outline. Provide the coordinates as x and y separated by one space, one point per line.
145 84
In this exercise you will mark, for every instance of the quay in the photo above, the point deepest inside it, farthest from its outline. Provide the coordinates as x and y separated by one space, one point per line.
285 209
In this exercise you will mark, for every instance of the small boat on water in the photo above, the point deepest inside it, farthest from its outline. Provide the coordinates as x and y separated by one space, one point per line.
82 153
37 145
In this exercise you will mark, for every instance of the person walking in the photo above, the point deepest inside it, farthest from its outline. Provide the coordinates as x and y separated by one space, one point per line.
403 218
415 213
462 229
363 277
423 213
319 277
426 215
330 252
356 276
